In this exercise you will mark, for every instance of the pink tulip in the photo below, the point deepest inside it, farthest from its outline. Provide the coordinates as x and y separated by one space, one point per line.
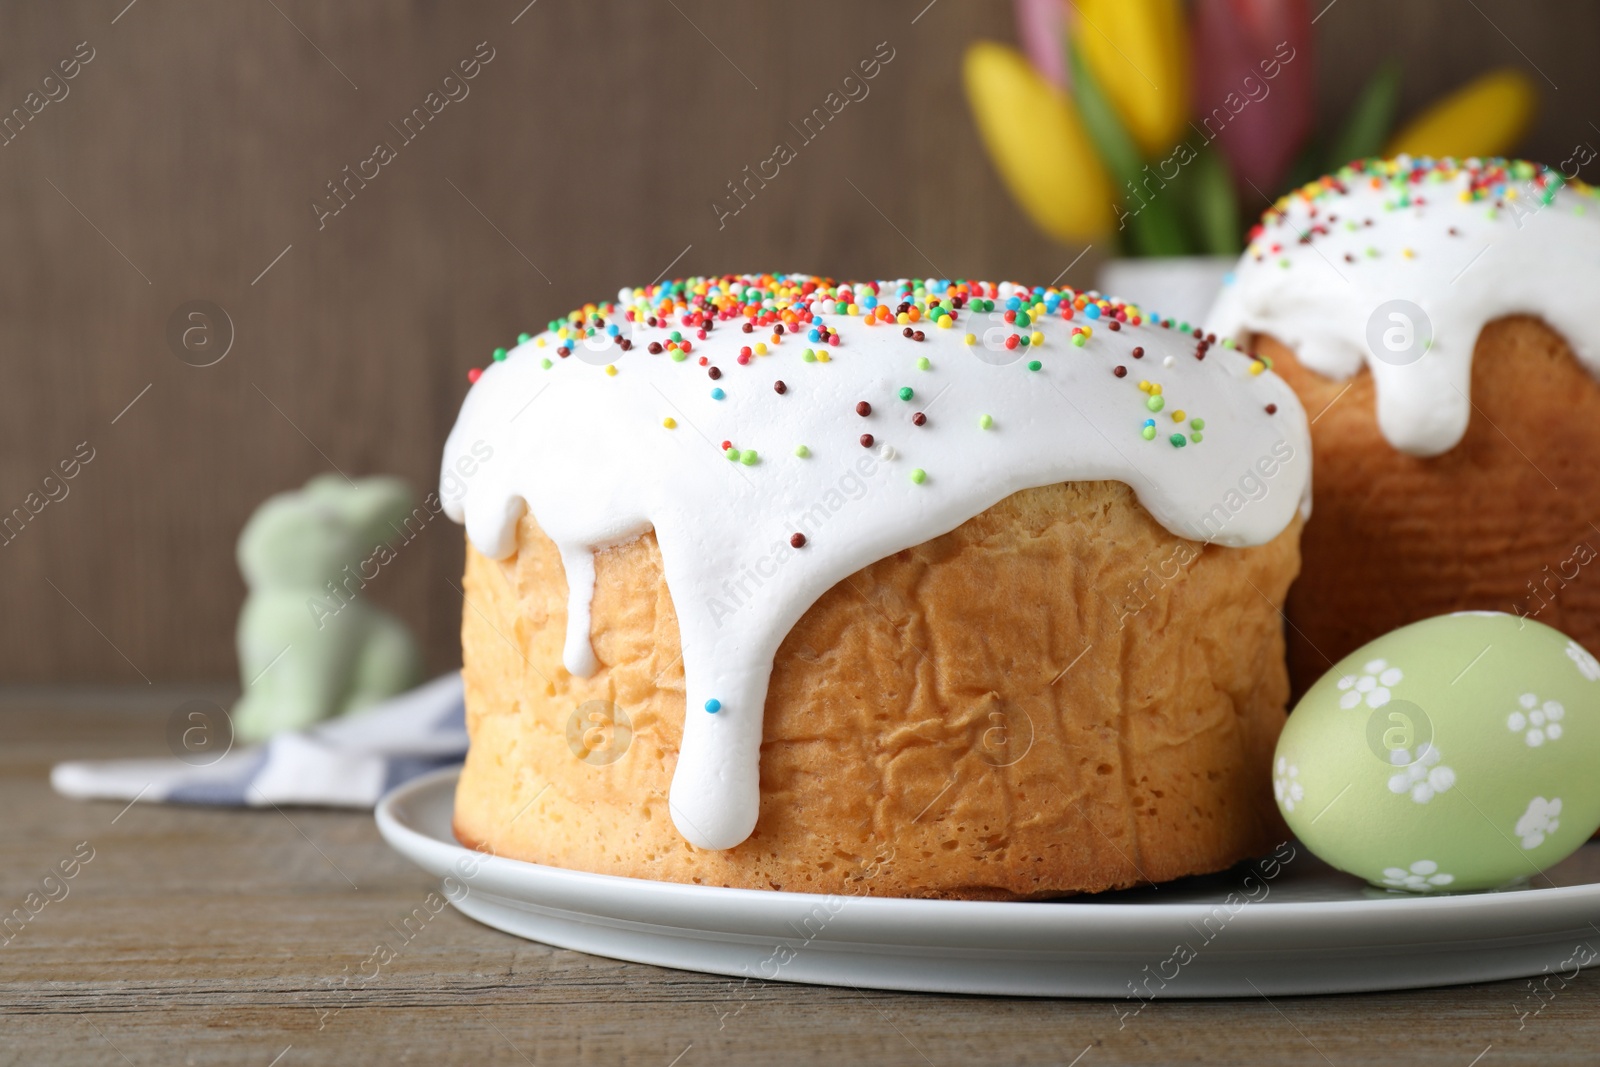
1042 31
1254 86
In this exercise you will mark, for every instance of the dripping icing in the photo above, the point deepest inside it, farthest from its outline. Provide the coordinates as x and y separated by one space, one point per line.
1466 242
590 454
577 652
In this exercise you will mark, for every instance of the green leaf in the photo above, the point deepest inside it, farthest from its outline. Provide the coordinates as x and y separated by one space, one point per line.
1371 118
1153 224
1117 149
1216 205
1307 167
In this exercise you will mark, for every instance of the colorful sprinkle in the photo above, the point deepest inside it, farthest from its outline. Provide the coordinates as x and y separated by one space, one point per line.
713 705
1304 216
770 309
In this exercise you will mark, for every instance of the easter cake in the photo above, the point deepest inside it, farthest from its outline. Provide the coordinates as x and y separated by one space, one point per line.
1435 318
902 588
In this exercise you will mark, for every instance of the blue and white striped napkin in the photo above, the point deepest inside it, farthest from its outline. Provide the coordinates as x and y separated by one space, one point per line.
347 762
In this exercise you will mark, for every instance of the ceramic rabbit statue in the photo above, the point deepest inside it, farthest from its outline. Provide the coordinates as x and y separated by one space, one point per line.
311 645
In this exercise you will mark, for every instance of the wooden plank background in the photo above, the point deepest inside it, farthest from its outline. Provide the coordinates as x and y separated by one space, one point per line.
184 159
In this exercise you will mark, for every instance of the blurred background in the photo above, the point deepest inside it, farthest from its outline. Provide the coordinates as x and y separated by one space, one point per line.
185 166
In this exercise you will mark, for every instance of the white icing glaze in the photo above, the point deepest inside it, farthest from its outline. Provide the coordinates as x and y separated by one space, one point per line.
577 654
588 454
1463 261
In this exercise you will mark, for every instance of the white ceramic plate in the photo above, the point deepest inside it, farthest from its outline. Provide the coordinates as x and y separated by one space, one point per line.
1308 929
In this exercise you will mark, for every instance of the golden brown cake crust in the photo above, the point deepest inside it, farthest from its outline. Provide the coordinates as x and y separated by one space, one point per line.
1057 696
1501 522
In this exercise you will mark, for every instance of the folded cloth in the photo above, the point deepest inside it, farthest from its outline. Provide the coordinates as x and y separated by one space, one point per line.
347 762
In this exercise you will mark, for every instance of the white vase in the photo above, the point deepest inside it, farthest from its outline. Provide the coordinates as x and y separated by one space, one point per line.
1177 287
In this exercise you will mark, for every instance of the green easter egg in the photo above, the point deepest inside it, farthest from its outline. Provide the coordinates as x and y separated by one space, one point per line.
1454 754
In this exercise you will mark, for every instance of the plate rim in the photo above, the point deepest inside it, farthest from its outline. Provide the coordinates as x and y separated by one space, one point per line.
1466 912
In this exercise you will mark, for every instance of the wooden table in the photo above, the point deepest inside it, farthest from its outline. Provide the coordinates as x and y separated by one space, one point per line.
221 937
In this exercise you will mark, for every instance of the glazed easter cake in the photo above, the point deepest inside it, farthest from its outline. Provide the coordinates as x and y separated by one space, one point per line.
902 588
1437 320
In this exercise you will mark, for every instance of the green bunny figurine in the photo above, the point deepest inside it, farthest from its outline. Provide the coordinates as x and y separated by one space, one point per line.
311 646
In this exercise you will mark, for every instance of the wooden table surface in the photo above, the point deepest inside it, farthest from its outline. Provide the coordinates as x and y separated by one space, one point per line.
199 936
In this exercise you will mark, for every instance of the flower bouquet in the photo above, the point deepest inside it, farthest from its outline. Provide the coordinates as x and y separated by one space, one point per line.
1164 125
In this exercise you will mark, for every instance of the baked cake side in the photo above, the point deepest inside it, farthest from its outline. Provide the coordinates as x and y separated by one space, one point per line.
1057 696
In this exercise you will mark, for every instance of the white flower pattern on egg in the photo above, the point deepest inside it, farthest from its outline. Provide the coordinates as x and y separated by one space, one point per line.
1537 723
1423 776
1285 784
1371 685
1421 876
1588 666
1538 821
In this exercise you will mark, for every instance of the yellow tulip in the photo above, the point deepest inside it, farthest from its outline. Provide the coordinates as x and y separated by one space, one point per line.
1485 117
1138 51
1038 144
